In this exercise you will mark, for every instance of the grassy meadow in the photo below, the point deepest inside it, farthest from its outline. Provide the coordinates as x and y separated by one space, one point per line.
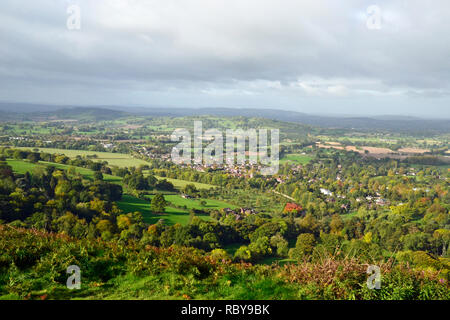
114 159
195 203
21 166
171 215
179 184
296 158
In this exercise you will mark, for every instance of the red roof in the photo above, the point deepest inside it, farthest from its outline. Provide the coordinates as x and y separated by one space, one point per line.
292 207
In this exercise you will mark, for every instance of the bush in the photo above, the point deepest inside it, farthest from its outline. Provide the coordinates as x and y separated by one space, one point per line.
304 247
33 264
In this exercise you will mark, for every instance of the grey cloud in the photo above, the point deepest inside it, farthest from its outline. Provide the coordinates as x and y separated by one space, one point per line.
204 50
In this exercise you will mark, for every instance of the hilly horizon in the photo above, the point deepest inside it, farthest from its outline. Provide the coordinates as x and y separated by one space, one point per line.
14 111
25 107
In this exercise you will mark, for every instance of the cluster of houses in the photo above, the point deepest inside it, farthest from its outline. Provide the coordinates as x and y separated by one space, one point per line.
241 171
375 200
372 200
149 153
239 213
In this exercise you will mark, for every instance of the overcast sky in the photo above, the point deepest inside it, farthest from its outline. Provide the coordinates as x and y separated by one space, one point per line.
313 56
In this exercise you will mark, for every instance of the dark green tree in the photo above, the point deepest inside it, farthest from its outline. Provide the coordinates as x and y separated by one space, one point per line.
158 203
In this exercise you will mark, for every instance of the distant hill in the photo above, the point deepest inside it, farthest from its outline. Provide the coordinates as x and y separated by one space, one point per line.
390 123
38 112
22 111
14 107
84 113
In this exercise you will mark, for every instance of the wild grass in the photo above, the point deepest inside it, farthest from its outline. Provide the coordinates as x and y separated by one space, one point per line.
33 265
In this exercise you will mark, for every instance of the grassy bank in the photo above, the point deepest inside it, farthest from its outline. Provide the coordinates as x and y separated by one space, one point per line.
112 270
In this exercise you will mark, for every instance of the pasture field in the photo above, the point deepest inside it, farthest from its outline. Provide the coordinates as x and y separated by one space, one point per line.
114 159
297 158
178 183
171 215
26 128
195 203
360 139
21 166
182 183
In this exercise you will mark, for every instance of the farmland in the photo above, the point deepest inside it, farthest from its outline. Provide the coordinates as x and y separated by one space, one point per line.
195 203
21 166
114 159
171 215
179 184
296 158
177 210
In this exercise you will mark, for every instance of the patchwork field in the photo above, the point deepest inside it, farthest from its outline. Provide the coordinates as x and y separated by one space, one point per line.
371 150
363 149
413 150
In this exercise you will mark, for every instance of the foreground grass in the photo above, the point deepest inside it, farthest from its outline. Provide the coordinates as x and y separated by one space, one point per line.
33 265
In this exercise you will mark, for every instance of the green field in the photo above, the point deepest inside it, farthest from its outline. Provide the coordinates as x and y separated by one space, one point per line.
182 183
114 159
296 158
21 166
171 215
349 215
195 203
